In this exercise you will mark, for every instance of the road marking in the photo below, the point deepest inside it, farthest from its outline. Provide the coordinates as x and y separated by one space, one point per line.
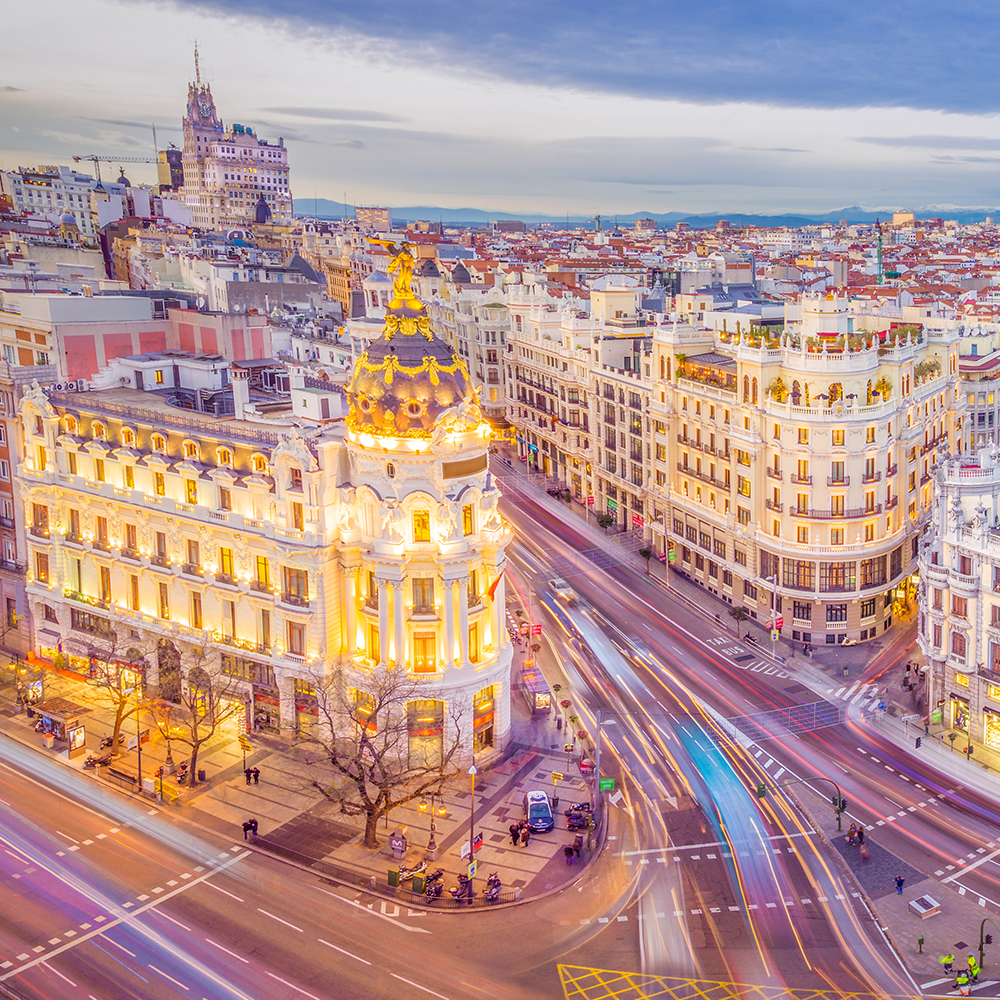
58 973
171 978
215 944
936 982
117 945
419 987
217 889
59 833
365 961
381 916
280 921
171 919
969 868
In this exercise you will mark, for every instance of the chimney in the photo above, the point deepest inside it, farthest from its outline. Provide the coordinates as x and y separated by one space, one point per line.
241 391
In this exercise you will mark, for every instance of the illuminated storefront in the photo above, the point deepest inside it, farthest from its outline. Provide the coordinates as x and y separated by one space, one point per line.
991 728
426 731
959 712
484 716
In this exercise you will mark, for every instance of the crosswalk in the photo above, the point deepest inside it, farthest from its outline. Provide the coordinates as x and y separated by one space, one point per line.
863 694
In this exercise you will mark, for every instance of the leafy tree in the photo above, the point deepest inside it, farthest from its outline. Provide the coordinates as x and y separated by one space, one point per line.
647 554
366 734
606 520
739 614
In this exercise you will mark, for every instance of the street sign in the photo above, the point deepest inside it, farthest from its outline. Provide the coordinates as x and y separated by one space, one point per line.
612 504
637 520
607 784
671 554
557 776
774 635
472 869
590 500
244 742
779 621
536 629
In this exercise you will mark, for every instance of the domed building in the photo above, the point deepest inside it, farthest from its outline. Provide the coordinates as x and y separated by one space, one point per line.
425 553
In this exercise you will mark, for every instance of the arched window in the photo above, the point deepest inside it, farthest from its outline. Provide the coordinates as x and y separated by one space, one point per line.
70 424
663 367
753 391
99 431
259 463
159 442
836 392
190 449
746 388
225 456
128 437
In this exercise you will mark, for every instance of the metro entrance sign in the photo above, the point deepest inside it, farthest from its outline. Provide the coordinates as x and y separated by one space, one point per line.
607 784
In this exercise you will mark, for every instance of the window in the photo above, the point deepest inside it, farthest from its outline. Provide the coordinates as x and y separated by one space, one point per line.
190 449
101 531
467 521
475 646
70 464
196 620
296 639
131 537
298 518
99 469
296 583
937 636
133 592
225 457
421 526
191 490
161 545
226 562
959 607
799 574
958 646
868 608
803 435
727 578
423 594
801 611
41 567
424 658
743 515
473 596
259 463
193 553
295 479
740 556
98 431
159 442
749 590
159 485
836 612
837 439
263 570
128 477
802 534
158 376
965 565
836 576
164 601
836 536
870 435
265 630
719 548
225 499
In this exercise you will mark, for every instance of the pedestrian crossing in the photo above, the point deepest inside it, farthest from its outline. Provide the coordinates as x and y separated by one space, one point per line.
862 694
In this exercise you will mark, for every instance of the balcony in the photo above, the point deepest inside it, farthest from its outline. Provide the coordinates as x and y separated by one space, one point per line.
774 474
295 599
828 515
925 478
990 675
892 502
101 544
778 508
892 470
262 587
132 554
12 567
39 531
73 537
703 476
248 644
871 477
191 569
94 602
802 480
838 480
6 522
159 559
225 578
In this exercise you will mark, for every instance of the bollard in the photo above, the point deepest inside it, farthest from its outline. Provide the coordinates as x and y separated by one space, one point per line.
371 882
920 944
517 893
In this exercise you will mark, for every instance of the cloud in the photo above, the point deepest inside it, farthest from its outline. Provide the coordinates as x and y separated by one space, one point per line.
772 149
852 53
145 126
12 90
337 114
931 141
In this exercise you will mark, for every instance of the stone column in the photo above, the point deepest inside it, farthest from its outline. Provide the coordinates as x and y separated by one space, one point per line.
463 622
499 615
286 710
351 600
383 621
449 623
397 608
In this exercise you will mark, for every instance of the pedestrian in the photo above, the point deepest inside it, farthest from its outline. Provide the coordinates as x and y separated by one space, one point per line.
525 836
515 834
861 835
256 775
863 851
973 968
253 828
578 844
899 880
946 961
568 853
962 984
248 774
246 830
852 833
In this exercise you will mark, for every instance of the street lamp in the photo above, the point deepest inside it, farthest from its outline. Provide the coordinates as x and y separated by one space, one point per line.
432 847
773 580
601 721
472 830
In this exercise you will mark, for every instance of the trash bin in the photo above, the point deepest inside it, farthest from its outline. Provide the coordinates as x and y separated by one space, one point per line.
50 741
394 877
201 775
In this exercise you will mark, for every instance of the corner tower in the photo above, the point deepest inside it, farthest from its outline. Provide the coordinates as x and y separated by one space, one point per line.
425 591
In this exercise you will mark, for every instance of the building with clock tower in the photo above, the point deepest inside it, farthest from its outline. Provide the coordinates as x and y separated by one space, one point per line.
229 172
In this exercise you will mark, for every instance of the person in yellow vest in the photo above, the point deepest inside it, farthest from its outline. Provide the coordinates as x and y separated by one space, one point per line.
973 968
946 961
962 983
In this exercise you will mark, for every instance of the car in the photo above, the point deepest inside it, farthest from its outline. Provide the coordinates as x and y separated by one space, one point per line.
538 812
562 589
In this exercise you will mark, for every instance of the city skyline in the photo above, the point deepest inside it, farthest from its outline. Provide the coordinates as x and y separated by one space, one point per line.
795 115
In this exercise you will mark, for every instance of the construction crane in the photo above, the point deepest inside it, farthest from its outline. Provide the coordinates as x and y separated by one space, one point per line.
98 160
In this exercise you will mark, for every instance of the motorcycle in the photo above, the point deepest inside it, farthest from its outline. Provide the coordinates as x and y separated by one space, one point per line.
461 891
39 726
578 807
750 638
577 821
492 890
434 885
94 761
181 773
405 874
108 740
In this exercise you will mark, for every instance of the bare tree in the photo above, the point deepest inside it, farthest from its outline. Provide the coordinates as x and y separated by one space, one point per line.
207 698
367 735
118 670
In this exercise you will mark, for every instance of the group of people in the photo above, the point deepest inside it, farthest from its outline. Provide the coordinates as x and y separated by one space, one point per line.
249 826
252 775
965 977
520 835
856 835
572 851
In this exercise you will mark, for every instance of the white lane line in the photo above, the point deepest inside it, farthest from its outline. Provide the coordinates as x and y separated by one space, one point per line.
58 973
117 945
292 986
280 921
975 864
59 833
419 987
215 944
935 982
381 916
171 978
165 916
358 959
217 889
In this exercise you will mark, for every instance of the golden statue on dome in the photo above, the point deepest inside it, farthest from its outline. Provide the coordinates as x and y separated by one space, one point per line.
401 269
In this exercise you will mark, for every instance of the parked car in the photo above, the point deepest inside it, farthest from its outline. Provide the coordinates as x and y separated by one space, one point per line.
563 590
538 812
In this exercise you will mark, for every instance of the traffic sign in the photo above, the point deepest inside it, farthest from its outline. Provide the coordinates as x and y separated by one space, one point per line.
607 784
244 742
557 776
774 635
779 621
671 555
536 629
472 869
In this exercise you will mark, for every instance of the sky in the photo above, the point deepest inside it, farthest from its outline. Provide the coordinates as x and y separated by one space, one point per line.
535 107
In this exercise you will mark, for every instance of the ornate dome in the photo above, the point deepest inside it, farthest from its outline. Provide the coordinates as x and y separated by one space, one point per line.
68 219
406 379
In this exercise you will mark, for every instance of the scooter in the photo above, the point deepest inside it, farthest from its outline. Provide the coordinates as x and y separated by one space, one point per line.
405 874
750 638
461 891
434 885
849 642
108 740
492 890
39 726
577 821
578 807
92 761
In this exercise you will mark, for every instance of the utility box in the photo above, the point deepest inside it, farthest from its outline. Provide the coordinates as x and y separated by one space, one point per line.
393 879
418 884
924 907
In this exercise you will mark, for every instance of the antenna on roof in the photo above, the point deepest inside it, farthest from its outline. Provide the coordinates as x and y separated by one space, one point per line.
197 67
878 226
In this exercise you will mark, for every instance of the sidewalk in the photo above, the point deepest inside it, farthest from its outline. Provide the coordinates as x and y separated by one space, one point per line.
294 815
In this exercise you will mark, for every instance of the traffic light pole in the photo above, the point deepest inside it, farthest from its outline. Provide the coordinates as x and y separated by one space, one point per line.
985 939
839 802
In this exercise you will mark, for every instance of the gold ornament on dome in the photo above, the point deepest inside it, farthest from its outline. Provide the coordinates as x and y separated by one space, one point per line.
408 326
401 269
433 368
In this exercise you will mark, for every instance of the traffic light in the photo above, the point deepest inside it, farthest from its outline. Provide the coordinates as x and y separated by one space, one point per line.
761 791
988 939
920 740
843 805
833 800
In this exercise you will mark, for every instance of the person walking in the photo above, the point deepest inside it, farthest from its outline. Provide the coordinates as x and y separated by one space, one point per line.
973 968
578 844
525 836
946 962
256 775
515 834
861 835
852 833
568 853
246 829
253 828
863 851
248 774
899 880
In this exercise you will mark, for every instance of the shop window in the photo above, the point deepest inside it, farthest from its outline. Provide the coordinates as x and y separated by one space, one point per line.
483 719
424 652
425 722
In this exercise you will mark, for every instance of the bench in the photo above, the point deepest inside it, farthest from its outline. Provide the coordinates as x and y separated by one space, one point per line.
122 778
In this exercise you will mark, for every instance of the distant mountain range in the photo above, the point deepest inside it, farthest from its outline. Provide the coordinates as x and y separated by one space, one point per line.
456 217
